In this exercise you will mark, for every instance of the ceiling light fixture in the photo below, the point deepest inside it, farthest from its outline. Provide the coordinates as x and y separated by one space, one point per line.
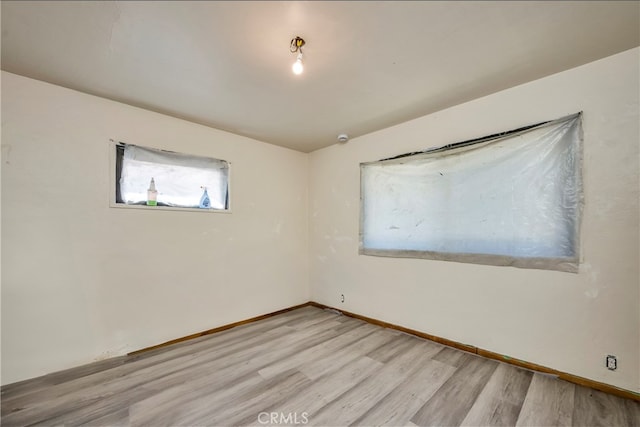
296 46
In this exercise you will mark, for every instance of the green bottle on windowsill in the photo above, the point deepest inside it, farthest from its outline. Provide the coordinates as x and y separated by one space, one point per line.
152 194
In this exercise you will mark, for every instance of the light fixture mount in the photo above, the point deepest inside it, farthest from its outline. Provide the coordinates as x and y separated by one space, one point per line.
296 44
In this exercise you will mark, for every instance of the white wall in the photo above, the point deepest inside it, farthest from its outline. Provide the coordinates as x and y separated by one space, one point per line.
82 281
561 320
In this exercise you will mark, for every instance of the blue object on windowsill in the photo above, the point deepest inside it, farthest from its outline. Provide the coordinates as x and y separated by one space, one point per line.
205 203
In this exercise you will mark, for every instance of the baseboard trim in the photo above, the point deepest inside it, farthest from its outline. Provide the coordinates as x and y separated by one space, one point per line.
218 329
607 388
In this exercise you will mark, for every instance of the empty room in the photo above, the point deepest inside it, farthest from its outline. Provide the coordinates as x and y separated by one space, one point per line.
329 213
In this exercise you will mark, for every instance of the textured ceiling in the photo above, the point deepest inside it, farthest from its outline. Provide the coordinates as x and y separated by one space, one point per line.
368 65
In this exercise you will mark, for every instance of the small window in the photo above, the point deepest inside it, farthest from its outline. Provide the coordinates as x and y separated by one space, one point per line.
508 199
179 180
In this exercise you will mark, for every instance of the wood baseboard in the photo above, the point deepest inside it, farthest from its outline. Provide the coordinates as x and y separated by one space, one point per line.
607 388
218 329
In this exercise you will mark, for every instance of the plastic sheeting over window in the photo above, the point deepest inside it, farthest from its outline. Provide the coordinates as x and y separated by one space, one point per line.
180 179
513 199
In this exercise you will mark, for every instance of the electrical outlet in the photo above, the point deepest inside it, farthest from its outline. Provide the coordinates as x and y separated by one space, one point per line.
341 297
611 363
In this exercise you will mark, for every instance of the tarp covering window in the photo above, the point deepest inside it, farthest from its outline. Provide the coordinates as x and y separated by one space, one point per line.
180 179
513 199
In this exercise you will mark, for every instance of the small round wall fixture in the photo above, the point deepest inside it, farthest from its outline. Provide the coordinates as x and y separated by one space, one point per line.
343 137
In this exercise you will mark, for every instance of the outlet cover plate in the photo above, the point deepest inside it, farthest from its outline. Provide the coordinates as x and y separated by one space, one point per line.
611 363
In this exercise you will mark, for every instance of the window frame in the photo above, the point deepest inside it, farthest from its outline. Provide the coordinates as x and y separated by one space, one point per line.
115 169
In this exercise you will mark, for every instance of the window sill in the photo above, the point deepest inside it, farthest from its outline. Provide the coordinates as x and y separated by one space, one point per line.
167 208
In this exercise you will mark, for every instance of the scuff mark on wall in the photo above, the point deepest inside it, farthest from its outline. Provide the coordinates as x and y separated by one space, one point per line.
592 293
594 287
111 353
6 151
211 231
115 22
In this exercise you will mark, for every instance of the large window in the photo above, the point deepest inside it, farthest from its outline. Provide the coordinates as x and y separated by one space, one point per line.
179 180
508 199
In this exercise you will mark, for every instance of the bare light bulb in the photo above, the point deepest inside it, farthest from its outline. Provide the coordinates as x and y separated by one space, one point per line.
297 66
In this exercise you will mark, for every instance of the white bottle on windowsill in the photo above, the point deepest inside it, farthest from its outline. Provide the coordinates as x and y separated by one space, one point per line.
152 194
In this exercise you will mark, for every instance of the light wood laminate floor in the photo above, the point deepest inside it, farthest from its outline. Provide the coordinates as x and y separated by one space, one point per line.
314 367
